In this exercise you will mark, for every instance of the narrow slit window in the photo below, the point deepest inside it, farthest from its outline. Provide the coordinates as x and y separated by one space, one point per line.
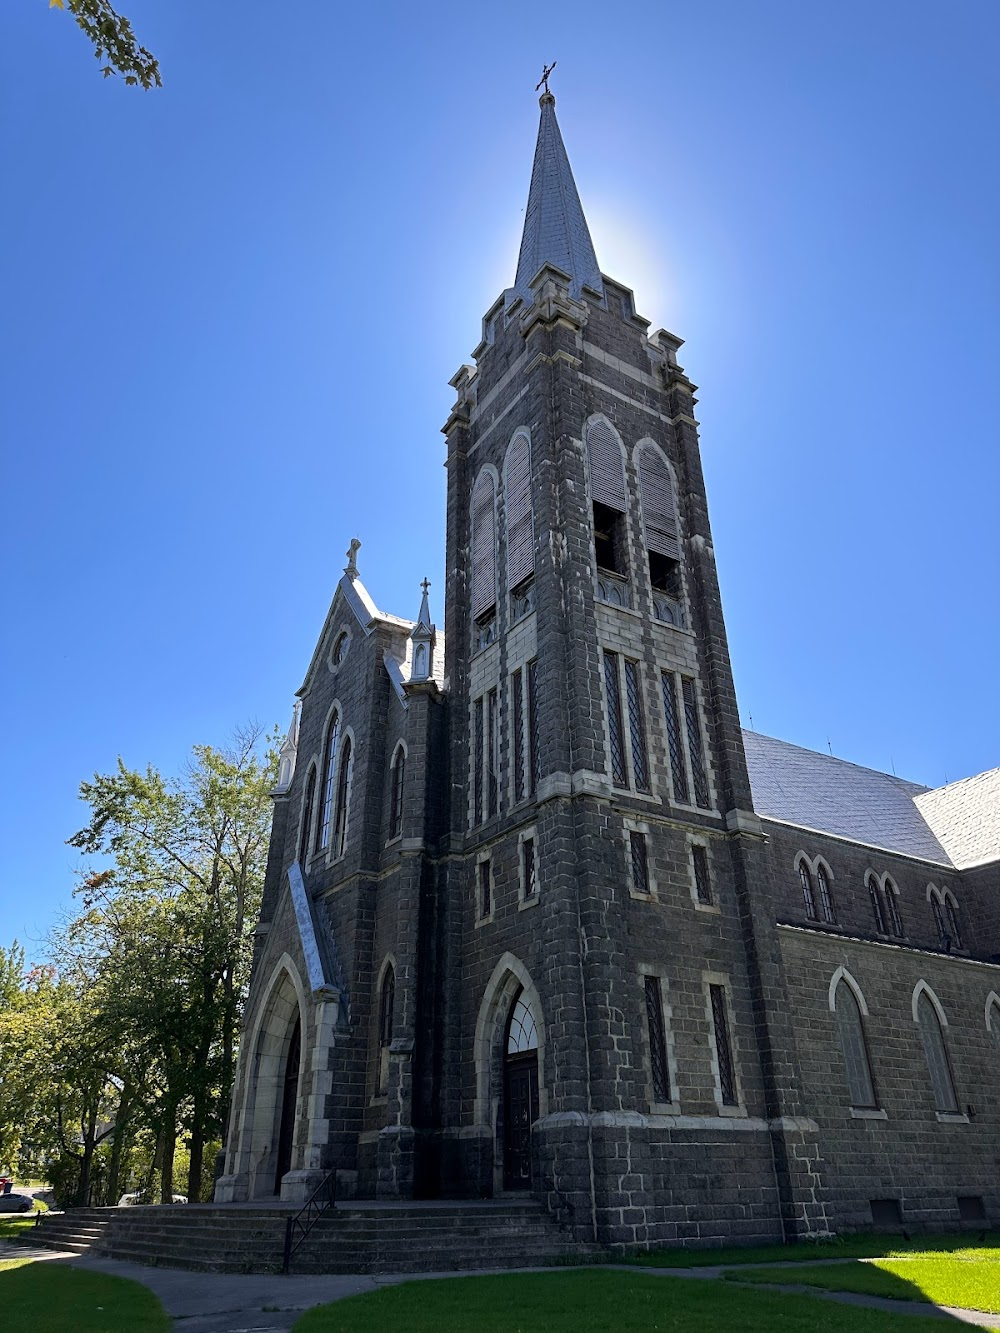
951 909
876 900
693 727
485 889
396 802
528 867
723 1046
615 736
307 814
329 775
659 1068
387 1004
477 764
533 759
492 749
939 922
892 911
637 727
851 1030
517 724
343 797
936 1053
808 896
677 771
825 895
702 879
640 862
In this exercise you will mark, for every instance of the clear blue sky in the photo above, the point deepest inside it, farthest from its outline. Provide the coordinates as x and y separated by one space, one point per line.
231 309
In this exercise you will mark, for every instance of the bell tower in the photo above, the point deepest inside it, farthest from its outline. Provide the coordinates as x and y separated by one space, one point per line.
602 846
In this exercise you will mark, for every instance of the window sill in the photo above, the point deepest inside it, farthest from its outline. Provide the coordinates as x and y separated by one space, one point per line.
392 842
379 1099
694 809
643 897
484 920
951 1117
736 1111
623 610
665 1108
868 1113
712 908
525 903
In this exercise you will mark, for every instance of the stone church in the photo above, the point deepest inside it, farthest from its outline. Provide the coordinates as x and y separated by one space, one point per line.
540 918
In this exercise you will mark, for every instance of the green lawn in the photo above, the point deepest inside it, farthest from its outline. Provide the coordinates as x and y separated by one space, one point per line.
595 1302
969 1279
16 1224
865 1246
59 1299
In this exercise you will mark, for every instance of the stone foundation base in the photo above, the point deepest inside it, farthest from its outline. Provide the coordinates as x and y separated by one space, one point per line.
297 1186
233 1189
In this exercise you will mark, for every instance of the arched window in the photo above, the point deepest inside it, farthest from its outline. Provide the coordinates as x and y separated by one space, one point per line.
951 911
936 1053
484 545
307 814
659 520
878 912
944 939
387 1001
893 918
808 895
993 1021
851 1029
396 779
517 501
343 795
607 494
522 1035
329 772
825 893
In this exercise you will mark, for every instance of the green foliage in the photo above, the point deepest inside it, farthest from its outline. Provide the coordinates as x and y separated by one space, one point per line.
114 41
594 1301
968 1279
73 1300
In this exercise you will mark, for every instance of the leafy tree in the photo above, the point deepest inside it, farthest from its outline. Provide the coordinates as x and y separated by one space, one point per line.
114 41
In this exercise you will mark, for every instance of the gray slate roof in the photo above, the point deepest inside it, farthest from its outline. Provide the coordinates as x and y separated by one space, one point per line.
965 816
830 795
555 229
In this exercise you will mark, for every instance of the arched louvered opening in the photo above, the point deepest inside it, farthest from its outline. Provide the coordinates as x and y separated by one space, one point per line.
520 524
484 546
825 894
396 780
386 1016
607 494
329 773
851 1030
305 828
660 528
878 911
936 1052
343 798
808 893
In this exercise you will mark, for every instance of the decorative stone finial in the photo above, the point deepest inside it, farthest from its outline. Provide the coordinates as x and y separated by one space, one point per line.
423 637
351 568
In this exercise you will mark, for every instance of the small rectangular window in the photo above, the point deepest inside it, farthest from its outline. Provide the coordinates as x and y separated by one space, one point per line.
702 879
640 863
693 727
677 771
517 723
528 867
477 775
657 1040
637 728
723 1047
485 889
492 749
615 736
533 763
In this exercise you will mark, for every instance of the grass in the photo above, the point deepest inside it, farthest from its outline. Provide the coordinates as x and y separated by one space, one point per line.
13 1225
863 1246
59 1299
968 1279
595 1302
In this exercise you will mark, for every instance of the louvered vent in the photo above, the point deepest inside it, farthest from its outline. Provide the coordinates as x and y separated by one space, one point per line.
659 513
484 544
520 529
607 469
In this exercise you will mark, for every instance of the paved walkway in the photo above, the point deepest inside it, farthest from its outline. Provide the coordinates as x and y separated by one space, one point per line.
271 1303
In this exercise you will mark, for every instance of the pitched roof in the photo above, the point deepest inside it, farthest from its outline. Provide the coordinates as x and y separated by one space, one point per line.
965 817
555 229
830 795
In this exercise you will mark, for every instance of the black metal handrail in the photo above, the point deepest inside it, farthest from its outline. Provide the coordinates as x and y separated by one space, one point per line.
298 1227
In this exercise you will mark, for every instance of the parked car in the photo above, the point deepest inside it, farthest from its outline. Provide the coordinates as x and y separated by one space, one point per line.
138 1200
16 1203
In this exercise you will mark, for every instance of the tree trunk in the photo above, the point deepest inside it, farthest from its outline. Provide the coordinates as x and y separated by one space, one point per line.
87 1160
121 1135
197 1155
167 1155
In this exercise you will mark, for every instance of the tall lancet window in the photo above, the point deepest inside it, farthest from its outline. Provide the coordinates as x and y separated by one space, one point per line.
484 546
386 1015
607 494
517 498
851 1030
936 1053
329 772
343 797
660 529
396 781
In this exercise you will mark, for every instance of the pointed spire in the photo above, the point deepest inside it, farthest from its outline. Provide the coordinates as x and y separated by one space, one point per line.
288 751
555 229
423 638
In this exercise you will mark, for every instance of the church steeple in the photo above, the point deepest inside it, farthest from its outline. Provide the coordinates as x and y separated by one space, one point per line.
555 229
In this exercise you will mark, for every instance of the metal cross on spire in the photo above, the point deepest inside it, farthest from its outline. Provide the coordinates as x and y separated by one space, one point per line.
543 82
425 585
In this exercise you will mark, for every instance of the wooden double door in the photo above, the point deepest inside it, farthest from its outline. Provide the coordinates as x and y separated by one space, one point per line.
520 1113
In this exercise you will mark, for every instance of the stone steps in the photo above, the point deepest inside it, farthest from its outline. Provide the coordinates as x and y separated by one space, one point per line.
346 1240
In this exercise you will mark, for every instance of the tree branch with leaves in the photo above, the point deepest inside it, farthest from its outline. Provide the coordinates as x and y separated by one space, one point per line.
114 42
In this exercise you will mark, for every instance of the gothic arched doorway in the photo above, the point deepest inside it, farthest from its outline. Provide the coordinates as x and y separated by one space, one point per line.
520 1093
289 1100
